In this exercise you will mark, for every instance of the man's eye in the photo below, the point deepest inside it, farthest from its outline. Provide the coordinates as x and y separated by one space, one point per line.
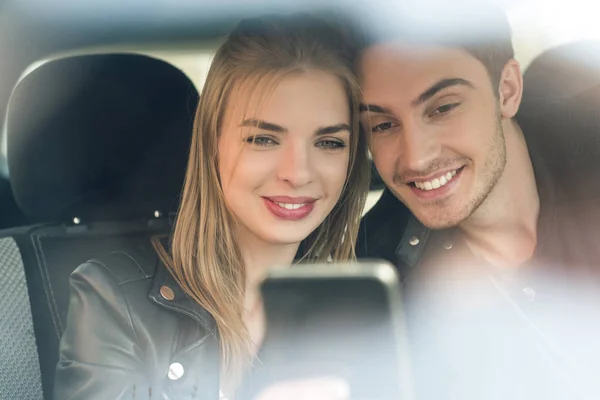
446 108
383 127
261 140
332 144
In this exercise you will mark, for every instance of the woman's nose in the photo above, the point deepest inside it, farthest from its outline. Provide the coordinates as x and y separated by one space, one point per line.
295 165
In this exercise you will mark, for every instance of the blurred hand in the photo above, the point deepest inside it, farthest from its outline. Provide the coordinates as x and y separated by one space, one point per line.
307 389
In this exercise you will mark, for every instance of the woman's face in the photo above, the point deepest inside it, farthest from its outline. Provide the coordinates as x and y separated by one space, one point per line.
283 160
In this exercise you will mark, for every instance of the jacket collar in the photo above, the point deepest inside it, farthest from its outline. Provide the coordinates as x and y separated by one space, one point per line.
166 292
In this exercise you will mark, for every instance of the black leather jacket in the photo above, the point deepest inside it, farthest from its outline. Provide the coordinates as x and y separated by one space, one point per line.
133 334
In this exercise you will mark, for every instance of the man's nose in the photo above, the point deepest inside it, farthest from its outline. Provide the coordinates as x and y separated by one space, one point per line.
295 166
418 147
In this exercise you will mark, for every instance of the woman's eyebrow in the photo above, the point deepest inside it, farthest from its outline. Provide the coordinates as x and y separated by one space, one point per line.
267 126
328 130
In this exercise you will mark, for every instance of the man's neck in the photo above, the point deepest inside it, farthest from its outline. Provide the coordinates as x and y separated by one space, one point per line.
503 230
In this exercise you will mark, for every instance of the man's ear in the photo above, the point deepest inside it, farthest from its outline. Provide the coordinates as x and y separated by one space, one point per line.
510 89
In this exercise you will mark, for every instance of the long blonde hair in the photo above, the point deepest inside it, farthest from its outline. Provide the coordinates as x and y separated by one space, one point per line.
204 257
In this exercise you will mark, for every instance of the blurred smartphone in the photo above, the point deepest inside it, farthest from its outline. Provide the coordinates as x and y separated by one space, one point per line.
342 320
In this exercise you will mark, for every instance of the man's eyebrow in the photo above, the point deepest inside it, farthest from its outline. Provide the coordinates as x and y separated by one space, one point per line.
328 130
267 126
426 95
439 86
373 108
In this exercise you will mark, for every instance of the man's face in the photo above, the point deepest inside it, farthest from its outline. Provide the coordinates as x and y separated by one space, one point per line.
435 129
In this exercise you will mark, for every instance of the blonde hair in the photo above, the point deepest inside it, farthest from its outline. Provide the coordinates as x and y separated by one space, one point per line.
204 257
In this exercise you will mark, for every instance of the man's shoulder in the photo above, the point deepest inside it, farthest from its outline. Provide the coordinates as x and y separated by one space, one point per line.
381 229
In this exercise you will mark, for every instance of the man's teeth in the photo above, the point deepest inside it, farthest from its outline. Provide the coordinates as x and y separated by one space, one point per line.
290 206
437 182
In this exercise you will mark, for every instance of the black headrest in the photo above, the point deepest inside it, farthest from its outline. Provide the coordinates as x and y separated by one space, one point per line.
562 73
560 111
100 137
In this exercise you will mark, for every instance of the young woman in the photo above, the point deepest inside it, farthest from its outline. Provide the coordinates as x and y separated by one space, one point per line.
277 174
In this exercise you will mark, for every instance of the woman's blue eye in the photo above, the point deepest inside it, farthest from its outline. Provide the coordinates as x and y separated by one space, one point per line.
260 140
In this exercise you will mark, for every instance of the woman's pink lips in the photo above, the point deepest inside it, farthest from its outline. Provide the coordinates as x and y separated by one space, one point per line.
291 200
287 214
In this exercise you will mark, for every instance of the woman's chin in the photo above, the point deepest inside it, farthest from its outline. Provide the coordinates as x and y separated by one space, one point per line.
285 238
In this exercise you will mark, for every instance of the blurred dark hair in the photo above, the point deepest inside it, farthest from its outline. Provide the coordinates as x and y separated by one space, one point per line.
483 31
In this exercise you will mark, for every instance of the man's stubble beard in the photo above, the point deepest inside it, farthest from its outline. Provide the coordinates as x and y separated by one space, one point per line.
492 171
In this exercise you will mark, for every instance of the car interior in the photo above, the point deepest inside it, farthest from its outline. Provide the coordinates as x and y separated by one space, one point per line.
114 183
94 146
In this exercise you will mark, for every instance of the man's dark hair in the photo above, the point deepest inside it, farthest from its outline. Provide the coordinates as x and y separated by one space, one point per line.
484 32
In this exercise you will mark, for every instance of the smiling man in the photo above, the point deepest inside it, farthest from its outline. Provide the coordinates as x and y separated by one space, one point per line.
440 121
484 232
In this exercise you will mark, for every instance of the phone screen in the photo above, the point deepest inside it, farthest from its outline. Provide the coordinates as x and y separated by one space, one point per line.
341 325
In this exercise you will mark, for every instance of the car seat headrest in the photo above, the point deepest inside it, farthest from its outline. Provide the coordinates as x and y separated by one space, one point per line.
100 137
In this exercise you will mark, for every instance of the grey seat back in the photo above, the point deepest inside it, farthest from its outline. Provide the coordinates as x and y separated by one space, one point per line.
20 376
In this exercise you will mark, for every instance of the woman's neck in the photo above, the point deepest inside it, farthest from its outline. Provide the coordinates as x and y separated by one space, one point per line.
258 257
